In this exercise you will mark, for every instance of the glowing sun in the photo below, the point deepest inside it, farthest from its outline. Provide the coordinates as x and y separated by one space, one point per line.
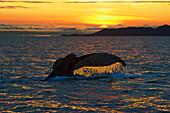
103 26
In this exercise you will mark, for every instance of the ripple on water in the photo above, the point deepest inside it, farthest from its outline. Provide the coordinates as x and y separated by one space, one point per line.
143 90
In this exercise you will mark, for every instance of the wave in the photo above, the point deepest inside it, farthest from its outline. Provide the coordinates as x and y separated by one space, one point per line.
83 77
91 73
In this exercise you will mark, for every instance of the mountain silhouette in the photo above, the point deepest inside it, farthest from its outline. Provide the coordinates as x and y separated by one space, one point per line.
131 31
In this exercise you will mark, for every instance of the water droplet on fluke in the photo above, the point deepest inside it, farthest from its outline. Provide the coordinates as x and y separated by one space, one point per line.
101 70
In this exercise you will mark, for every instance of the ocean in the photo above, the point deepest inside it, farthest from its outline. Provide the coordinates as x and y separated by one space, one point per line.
145 89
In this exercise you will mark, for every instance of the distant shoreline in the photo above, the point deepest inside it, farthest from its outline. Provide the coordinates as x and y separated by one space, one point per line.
131 31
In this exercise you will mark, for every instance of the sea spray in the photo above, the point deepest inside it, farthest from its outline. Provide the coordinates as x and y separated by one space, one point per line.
126 71
101 70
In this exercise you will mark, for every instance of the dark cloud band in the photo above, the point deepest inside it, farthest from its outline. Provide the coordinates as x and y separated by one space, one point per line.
34 27
27 1
13 7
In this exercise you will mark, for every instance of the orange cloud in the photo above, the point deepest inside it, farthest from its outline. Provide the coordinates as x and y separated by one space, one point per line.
117 2
99 19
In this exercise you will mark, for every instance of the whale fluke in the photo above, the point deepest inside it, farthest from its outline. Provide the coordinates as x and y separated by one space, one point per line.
98 59
57 62
65 66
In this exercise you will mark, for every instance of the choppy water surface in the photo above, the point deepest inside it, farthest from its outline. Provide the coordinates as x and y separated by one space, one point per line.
145 89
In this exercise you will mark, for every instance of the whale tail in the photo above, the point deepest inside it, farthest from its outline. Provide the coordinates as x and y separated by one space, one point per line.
65 66
57 62
97 59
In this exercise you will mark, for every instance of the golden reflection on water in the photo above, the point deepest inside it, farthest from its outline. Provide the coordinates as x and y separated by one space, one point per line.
33 57
100 70
104 101
56 104
133 95
145 102
22 86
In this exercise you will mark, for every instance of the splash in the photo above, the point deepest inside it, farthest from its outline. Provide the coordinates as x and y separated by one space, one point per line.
126 71
101 70
95 72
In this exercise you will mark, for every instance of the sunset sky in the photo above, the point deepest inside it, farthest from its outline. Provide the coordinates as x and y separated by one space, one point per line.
81 14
